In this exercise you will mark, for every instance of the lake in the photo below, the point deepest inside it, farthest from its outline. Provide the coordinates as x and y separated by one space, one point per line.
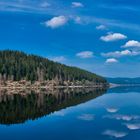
70 114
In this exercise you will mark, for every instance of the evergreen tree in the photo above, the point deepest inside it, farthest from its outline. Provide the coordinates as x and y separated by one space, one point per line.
15 65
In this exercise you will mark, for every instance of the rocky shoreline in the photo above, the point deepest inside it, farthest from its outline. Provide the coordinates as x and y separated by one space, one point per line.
50 84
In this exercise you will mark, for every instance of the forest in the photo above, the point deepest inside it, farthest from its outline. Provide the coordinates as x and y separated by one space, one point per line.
16 66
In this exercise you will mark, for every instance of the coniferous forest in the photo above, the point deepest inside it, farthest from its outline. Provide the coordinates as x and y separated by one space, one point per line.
16 66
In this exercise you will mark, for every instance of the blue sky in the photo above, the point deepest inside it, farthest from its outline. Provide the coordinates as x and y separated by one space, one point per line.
102 36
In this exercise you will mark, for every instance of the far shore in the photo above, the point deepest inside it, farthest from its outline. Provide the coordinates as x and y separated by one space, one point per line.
112 85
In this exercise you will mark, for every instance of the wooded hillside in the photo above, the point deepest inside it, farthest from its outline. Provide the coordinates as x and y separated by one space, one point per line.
16 66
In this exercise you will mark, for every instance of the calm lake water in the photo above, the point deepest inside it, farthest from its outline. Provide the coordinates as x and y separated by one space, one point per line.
71 114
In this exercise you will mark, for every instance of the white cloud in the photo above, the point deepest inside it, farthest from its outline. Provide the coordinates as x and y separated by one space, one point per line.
86 117
113 37
31 6
59 59
111 60
56 22
85 54
132 126
121 53
131 43
45 4
112 110
24 6
101 27
115 134
77 4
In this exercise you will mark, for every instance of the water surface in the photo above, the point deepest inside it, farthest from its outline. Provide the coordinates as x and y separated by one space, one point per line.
76 114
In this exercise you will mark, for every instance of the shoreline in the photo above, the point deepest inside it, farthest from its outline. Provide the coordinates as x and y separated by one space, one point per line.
50 84
22 90
103 86
52 87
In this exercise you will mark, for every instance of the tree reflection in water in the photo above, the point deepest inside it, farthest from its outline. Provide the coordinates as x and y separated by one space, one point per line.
20 106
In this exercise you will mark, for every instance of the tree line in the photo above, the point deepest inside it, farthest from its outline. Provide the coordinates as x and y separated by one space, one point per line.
16 66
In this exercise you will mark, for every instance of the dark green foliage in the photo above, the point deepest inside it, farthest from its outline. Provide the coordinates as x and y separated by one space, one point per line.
15 65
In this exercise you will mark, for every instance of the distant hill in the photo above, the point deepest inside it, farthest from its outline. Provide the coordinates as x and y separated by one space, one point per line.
124 80
16 66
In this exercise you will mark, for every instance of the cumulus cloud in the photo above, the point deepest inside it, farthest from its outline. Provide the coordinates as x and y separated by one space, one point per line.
121 53
115 134
56 22
131 43
133 126
59 59
85 54
111 60
101 27
86 117
112 110
77 4
113 37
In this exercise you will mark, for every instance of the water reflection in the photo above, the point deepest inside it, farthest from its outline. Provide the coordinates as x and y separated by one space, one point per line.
114 115
20 106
